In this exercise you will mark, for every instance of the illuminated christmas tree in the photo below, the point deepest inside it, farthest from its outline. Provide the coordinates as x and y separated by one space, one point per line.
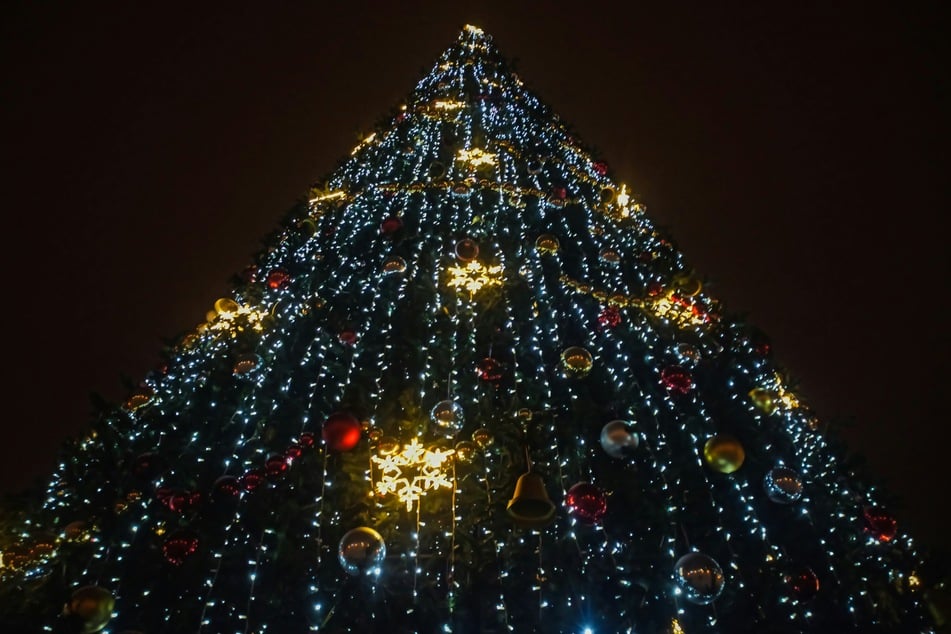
468 386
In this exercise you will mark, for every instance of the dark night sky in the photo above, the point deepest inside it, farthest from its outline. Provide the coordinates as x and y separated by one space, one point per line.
795 151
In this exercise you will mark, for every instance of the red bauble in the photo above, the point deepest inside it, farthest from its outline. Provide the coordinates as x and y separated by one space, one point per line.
879 524
276 466
225 488
293 452
179 546
489 369
341 431
467 250
307 440
600 168
278 278
391 225
163 494
654 289
802 582
586 502
252 479
148 466
348 337
610 317
676 379
183 501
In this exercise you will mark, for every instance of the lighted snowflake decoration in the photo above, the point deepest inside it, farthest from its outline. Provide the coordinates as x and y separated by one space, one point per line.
474 276
412 471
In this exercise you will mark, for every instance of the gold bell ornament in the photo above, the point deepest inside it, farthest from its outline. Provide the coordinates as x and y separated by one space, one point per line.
531 507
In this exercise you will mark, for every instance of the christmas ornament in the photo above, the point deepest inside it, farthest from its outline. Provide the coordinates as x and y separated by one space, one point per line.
466 450
467 250
609 255
77 531
341 431
307 439
436 170
293 452
390 226
448 416
348 337
547 243
687 354
724 453
252 479
92 606
609 317
394 265
802 582
226 306
699 577
482 437
139 398
766 400
278 279
783 485
530 506
149 466
576 362
607 195
586 502
247 362
618 439
676 379
600 168
226 488
688 286
361 550
179 546
880 524
275 466
488 369
182 501
655 289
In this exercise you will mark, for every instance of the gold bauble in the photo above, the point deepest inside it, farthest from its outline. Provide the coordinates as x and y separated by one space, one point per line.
394 264
766 400
93 605
466 450
547 243
482 437
247 362
724 453
576 362
226 305
138 399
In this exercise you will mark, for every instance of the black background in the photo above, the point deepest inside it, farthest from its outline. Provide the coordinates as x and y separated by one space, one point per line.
796 151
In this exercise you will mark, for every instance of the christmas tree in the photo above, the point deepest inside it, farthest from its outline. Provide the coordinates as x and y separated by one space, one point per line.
466 386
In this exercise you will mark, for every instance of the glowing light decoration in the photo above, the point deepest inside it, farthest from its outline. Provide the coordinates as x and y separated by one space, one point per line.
448 104
476 158
474 276
238 318
679 310
412 471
